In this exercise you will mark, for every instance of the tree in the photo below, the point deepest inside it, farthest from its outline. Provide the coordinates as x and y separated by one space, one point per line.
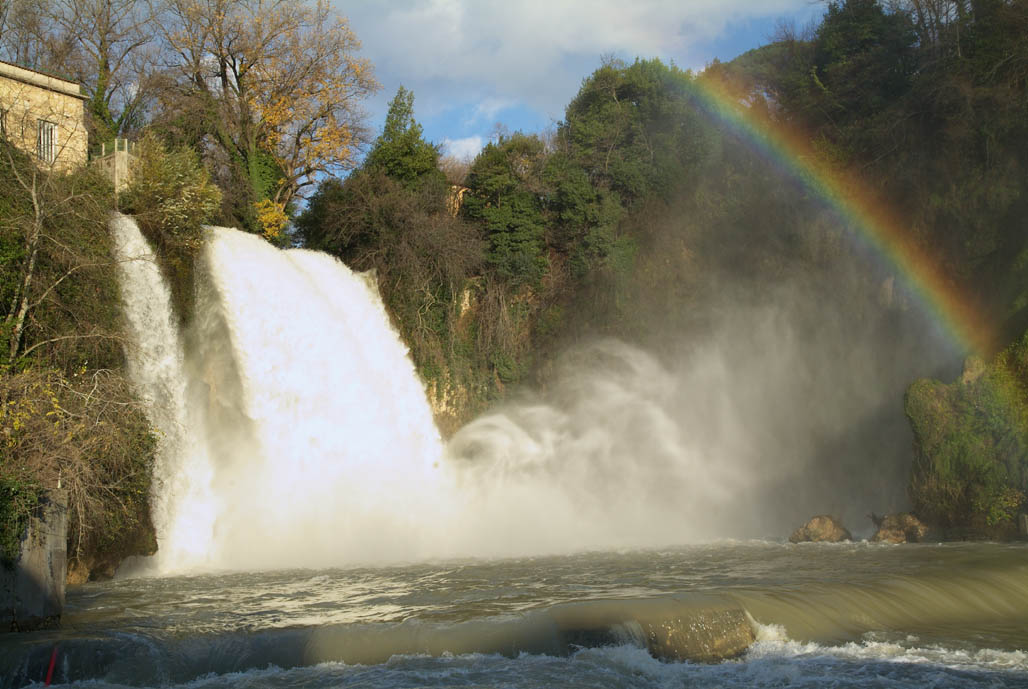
863 57
505 185
273 85
24 39
633 128
109 40
58 289
105 45
401 152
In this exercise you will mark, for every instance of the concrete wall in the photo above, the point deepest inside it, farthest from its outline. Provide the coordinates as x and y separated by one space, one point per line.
26 97
32 592
116 162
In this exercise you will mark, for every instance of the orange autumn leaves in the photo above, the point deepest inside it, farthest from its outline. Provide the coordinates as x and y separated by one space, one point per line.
279 80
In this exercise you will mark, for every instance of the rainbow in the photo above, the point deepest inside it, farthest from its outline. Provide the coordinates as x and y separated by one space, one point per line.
883 231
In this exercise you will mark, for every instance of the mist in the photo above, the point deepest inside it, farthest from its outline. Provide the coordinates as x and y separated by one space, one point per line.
779 402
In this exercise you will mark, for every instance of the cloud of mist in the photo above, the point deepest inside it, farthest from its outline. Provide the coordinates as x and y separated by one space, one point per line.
783 408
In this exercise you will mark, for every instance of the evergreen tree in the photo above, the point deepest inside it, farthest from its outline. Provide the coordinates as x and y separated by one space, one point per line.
400 152
505 196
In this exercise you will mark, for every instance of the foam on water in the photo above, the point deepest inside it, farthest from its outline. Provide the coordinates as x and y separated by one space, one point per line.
769 664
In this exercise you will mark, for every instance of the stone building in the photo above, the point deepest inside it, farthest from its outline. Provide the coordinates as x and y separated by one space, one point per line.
43 115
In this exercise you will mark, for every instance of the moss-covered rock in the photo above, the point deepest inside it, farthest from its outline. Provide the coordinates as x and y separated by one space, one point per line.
970 471
901 528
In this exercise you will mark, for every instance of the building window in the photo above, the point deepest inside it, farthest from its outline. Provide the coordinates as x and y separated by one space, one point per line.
46 142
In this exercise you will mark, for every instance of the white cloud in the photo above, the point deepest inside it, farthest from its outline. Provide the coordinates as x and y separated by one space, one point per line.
532 51
475 63
463 149
488 109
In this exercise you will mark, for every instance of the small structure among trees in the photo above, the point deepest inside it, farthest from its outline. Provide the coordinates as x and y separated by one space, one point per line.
116 161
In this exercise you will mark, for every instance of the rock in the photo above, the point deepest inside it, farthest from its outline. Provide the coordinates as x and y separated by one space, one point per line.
899 528
32 590
974 368
821 529
708 636
78 573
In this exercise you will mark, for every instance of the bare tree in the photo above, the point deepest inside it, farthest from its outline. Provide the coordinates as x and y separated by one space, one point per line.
113 48
276 85
25 38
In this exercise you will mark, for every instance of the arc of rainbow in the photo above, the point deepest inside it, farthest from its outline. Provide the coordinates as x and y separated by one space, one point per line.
882 229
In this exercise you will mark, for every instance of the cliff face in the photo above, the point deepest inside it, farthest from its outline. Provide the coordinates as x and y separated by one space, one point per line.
32 589
970 472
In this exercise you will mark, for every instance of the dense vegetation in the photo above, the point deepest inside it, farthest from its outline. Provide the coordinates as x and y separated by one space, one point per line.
67 416
970 470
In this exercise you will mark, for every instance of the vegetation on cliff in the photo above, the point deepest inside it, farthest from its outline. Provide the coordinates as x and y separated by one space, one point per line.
172 197
640 208
67 415
971 443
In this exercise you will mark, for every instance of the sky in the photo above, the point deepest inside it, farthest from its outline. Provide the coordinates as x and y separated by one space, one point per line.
474 64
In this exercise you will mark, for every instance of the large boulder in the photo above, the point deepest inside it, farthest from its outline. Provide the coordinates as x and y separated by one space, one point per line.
899 528
821 529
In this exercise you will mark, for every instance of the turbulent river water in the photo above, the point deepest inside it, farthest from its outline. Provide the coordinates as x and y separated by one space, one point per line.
850 615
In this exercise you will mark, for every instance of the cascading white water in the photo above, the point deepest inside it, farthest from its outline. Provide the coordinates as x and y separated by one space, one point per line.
326 444
156 363
295 432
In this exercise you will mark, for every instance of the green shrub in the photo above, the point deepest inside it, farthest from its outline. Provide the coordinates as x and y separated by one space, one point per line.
171 196
17 499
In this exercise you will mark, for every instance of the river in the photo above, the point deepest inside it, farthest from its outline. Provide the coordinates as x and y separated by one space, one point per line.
848 615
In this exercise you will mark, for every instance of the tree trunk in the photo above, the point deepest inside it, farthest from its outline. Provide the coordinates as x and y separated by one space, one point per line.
26 284
14 343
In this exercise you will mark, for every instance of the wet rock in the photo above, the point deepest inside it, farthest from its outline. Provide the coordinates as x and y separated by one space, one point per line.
821 529
899 528
708 636
974 368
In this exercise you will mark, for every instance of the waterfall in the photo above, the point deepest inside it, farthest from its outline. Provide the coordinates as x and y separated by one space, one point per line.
294 430
157 367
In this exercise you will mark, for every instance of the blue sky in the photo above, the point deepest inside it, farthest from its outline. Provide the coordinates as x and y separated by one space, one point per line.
473 64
